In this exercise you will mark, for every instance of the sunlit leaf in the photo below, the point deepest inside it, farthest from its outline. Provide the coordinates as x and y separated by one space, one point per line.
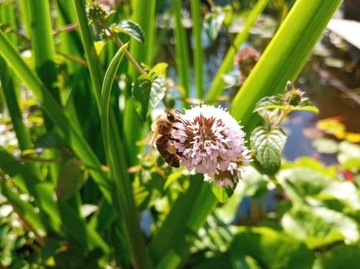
302 182
332 126
267 145
315 187
99 45
147 93
319 227
269 102
313 164
349 155
325 145
159 69
157 91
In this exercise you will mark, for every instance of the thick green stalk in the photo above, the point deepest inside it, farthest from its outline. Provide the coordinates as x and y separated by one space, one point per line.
43 48
227 64
198 49
181 50
43 45
22 133
93 62
25 15
144 15
285 56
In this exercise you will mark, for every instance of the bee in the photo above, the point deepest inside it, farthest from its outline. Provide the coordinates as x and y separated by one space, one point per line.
161 137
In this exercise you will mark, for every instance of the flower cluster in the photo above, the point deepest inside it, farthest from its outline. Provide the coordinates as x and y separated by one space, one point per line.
246 59
210 141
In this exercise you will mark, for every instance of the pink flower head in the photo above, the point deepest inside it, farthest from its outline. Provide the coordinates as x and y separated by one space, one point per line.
210 141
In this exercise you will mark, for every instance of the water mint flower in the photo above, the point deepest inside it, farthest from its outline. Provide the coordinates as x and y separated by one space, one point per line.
210 141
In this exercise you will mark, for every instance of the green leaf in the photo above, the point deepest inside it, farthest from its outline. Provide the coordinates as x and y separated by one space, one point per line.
278 102
319 227
157 91
270 249
159 69
339 256
130 28
221 194
267 145
349 155
305 184
122 190
311 163
147 93
141 95
302 182
71 178
269 102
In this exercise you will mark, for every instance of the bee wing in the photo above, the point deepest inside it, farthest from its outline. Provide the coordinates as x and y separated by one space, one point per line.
150 140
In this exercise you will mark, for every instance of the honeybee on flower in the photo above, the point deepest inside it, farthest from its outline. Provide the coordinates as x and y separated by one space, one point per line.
210 141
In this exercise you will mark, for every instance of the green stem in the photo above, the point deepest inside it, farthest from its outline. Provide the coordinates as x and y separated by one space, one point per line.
43 45
96 73
181 50
198 49
22 133
123 194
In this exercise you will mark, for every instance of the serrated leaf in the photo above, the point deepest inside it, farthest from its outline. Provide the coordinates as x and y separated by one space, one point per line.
71 179
269 102
147 94
132 29
267 146
277 102
141 94
157 91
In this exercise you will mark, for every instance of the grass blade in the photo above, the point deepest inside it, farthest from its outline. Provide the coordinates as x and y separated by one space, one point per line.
55 112
123 198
